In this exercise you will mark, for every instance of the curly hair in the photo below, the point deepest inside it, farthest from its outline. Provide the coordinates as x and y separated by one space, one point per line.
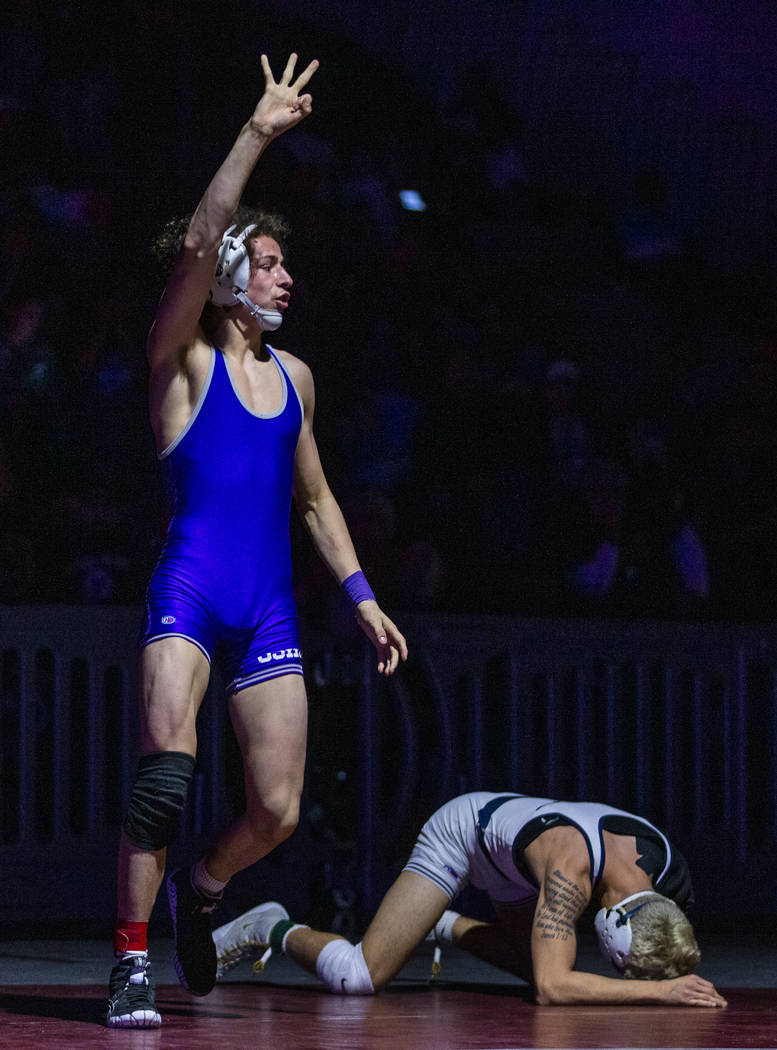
663 944
268 224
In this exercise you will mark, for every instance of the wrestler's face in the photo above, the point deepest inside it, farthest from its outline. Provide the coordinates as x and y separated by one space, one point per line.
269 283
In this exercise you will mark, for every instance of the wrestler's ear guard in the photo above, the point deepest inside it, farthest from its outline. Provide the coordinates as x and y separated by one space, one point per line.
231 279
613 929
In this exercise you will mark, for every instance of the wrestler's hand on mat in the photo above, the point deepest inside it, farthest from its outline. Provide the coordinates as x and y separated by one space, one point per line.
692 990
383 633
281 106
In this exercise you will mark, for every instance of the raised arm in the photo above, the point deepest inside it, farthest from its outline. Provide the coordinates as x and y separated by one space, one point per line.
323 520
565 892
281 107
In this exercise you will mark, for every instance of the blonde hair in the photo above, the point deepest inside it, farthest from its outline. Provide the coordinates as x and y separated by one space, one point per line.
663 944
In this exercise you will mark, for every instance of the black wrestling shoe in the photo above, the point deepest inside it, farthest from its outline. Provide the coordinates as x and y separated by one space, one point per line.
195 953
131 1003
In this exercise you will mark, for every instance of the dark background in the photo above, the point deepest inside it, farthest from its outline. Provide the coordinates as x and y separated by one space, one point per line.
551 393
570 355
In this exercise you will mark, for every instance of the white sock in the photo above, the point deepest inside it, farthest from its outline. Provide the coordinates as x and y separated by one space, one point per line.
443 931
203 881
296 926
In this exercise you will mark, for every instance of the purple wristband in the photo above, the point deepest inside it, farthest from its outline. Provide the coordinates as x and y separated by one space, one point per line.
357 588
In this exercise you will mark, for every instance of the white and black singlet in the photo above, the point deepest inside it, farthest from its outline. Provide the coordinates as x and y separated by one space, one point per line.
480 838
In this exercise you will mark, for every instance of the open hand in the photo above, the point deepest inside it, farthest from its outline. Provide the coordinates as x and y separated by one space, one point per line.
692 990
282 106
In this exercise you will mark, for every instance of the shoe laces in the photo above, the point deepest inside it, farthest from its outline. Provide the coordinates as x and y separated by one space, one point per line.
138 996
130 973
248 945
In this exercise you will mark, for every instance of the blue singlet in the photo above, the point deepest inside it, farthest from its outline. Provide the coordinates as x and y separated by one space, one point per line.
224 574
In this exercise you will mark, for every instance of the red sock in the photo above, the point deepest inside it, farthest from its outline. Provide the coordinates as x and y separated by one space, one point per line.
129 936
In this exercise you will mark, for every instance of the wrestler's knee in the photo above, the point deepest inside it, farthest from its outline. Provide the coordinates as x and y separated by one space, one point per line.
341 966
157 799
275 815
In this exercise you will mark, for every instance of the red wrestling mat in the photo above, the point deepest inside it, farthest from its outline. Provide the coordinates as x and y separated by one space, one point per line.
412 1017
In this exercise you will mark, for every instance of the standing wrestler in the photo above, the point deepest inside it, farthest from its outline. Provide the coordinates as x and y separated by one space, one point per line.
542 862
233 420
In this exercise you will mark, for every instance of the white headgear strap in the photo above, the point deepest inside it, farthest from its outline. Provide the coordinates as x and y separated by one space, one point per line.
613 929
231 279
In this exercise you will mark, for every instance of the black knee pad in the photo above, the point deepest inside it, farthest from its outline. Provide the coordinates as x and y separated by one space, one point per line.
159 795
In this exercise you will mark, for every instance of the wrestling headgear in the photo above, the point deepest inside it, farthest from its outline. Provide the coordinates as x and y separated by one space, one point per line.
613 928
231 279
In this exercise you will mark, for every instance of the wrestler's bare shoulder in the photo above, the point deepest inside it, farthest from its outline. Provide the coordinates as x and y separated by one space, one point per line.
175 386
562 845
297 369
188 357
292 362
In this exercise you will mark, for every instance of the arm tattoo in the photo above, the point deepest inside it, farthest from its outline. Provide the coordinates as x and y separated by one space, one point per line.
564 903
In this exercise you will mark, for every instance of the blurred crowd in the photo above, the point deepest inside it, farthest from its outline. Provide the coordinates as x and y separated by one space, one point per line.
525 404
